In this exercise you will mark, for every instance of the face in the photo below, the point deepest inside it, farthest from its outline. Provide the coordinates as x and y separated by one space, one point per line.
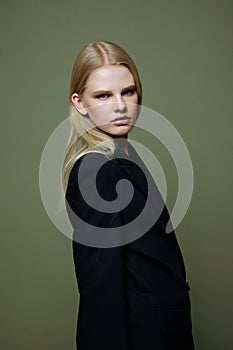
110 99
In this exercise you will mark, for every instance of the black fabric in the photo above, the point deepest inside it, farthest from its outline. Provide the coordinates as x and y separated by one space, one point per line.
135 296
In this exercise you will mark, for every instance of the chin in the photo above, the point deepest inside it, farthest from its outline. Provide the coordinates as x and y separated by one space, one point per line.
119 131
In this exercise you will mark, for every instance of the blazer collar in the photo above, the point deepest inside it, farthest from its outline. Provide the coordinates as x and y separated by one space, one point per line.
134 167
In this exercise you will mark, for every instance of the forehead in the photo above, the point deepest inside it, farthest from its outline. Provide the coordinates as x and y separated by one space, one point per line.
110 77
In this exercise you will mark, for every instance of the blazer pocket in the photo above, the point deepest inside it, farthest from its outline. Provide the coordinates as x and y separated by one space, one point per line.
174 319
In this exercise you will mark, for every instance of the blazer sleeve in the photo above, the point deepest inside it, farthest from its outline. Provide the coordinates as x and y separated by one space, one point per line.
100 272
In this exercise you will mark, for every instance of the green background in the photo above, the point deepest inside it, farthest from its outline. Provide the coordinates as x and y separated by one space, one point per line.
183 50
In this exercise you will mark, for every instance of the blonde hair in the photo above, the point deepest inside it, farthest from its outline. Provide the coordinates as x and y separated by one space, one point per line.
84 135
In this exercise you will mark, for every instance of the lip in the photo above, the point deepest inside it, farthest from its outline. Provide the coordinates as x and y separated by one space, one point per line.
121 120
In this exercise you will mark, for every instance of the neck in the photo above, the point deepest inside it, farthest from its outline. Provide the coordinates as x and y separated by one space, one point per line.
122 143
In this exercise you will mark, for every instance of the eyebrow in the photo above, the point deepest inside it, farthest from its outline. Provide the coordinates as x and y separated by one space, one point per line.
108 91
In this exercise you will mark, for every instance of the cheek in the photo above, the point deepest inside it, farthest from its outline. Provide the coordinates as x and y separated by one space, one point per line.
133 109
99 113
134 98
133 104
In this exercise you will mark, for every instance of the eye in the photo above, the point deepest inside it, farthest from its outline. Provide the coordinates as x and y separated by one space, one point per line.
129 92
102 96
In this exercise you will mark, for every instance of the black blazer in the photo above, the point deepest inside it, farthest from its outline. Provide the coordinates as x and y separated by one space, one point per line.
134 296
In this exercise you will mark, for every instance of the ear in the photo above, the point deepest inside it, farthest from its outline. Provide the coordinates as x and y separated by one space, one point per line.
78 104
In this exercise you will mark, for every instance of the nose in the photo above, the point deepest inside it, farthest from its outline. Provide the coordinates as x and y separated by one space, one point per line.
119 104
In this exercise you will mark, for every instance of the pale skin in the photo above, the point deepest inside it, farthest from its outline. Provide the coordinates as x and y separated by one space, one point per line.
110 93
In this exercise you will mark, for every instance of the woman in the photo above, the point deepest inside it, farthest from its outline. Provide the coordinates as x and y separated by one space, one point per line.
131 278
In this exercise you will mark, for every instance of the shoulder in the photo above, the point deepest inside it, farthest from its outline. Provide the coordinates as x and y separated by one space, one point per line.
93 167
93 161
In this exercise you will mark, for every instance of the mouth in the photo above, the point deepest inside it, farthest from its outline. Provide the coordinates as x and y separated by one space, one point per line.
121 120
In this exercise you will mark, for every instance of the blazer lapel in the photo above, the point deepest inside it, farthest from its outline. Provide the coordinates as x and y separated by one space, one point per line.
133 166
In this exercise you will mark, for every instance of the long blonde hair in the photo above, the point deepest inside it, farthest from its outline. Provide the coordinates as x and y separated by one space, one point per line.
84 136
